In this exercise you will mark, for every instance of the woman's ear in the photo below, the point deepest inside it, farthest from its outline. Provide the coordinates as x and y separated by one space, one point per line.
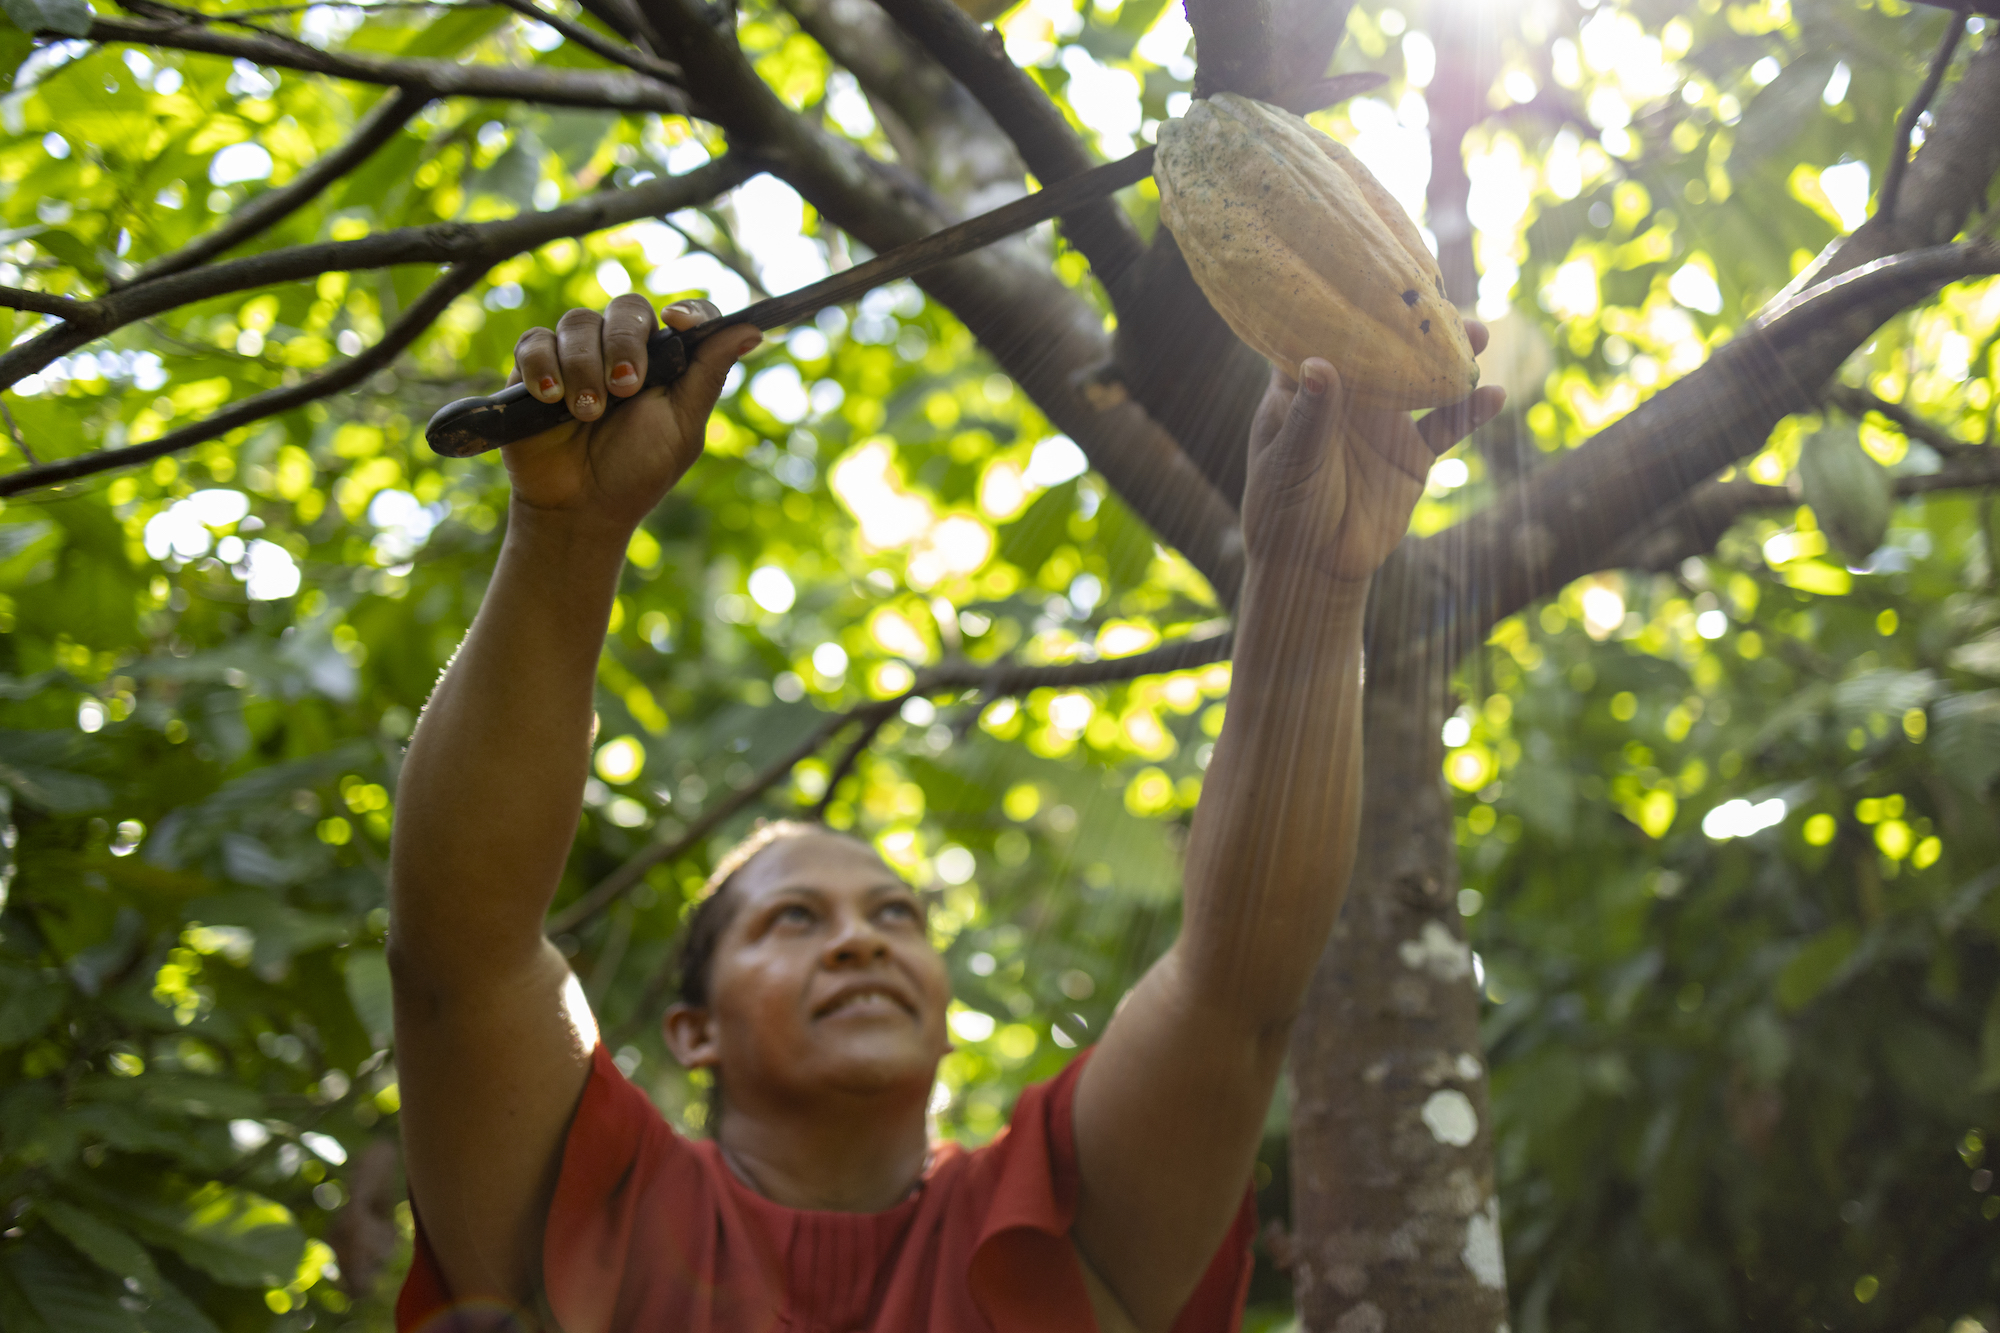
691 1036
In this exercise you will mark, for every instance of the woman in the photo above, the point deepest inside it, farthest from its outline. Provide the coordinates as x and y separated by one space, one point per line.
548 1190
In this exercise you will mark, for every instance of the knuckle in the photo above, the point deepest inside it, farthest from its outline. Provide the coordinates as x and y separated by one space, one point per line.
577 317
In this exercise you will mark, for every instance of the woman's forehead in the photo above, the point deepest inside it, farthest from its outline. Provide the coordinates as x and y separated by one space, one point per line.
828 861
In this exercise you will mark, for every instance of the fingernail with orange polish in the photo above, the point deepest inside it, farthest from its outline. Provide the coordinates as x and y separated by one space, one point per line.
622 373
548 386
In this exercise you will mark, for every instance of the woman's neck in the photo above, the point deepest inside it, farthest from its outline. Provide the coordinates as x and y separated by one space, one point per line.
858 1158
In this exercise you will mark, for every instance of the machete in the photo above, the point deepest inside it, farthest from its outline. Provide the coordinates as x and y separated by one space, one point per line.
475 425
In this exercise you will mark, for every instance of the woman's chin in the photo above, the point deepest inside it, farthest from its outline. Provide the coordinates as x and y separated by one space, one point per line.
872 1061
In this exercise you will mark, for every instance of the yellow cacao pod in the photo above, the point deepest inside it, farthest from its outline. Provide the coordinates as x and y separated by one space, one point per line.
1305 254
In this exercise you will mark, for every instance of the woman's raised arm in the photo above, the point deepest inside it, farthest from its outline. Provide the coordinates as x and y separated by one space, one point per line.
493 1038
1171 1106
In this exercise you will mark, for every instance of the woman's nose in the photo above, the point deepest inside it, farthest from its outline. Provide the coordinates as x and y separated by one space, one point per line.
857 940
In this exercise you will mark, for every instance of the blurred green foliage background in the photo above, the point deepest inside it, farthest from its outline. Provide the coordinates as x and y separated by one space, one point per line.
1728 830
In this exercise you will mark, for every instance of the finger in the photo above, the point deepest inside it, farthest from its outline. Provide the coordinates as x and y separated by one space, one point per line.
1272 409
702 384
1319 397
536 365
686 314
628 322
580 351
1478 335
1448 425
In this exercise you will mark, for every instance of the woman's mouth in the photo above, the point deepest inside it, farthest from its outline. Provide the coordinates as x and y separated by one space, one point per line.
864 1001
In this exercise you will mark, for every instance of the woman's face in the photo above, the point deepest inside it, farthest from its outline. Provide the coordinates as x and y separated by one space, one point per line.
825 979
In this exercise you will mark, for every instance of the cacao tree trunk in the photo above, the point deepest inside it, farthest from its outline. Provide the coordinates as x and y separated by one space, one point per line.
1395 1221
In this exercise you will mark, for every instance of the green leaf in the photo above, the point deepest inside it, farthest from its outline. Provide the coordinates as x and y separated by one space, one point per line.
279 932
1989 1048
69 1295
236 1237
1814 966
104 1244
1968 737
368 988
29 1005
17 1313
1981 657
454 33
1849 491
68 17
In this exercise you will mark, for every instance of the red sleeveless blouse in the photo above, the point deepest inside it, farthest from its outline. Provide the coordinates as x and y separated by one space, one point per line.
650 1232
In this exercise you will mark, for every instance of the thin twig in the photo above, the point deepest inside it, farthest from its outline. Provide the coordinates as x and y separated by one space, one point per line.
1858 403
1694 523
283 11
730 258
870 728
381 124
42 303
1899 154
666 71
994 680
606 89
405 330
15 431
438 243
625 877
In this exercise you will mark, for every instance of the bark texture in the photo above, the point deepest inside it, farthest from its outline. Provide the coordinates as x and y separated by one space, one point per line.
1395 1223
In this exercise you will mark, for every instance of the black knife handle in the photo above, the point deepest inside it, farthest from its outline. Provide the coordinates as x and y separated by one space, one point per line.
475 425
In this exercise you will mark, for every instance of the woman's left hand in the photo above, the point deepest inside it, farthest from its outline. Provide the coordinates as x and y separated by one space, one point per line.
1331 486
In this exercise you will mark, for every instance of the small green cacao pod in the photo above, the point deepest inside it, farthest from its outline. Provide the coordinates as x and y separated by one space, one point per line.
1849 491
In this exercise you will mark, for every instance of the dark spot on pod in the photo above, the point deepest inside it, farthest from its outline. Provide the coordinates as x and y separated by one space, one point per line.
1410 297
1425 326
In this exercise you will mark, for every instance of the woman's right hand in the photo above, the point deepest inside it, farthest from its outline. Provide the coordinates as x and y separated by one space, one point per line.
613 470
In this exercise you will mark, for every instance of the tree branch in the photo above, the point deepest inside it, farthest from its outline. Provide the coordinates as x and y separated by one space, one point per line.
1172 353
870 728
1306 33
414 321
383 121
1697 522
282 11
440 242
1899 152
666 71
1036 328
724 252
939 129
1440 594
1858 403
1233 47
995 680
43 303
612 90
14 433
1563 521
1052 150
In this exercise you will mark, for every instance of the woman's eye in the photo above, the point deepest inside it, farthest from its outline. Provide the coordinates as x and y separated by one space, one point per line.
900 912
794 915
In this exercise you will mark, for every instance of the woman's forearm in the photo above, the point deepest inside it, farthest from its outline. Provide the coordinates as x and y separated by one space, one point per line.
1274 835
490 793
